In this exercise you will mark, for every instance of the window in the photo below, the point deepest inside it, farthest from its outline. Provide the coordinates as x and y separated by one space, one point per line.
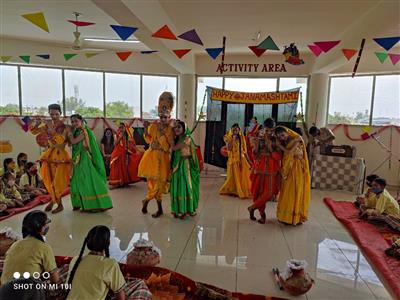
350 100
387 100
287 112
202 83
122 95
84 93
153 86
39 88
9 98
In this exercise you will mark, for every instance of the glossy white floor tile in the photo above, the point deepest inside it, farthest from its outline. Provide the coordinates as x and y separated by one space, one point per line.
221 246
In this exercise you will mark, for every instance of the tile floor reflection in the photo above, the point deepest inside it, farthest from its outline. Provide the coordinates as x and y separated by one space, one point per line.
221 246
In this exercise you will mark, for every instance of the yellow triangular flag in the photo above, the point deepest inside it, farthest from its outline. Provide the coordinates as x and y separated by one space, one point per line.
5 59
367 129
37 19
91 54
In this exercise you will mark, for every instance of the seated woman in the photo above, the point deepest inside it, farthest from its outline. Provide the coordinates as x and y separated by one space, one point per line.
22 159
94 275
31 254
9 192
367 200
31 181
10 166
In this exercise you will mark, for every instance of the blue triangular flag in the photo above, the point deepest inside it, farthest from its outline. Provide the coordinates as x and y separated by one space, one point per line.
148 51
44 56
387 43
124 32
214 52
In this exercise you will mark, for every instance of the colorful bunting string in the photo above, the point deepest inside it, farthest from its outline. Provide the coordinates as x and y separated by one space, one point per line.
214 52
164 33
326 46
191 36
37 19
381 56
44 56
124 32
123 56
394 58
257 51
349 53
25 58
268 44
80 23
388 42
68 56
182 52
315 50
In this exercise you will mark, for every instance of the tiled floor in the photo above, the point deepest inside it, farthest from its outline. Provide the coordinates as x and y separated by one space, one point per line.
223 247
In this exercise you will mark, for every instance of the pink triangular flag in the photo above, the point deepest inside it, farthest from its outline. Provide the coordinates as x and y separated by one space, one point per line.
394 58
315 49
326 46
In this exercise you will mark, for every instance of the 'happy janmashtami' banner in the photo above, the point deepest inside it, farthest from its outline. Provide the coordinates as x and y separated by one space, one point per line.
289 96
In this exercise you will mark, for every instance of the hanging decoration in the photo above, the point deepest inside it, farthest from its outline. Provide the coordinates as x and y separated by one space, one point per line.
68 56
315 50
37 19
363 136
349 53
25 58
5 147
268 44
123 56
91 54
148 52
358 58
80 23
124 32
181 53
44 56
388 42
292 55
191 36
394 58
5 59
326 46
381 56
257 51
214 52
27 121
164 33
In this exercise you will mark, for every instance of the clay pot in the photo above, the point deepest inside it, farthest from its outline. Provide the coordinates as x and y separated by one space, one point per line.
298 284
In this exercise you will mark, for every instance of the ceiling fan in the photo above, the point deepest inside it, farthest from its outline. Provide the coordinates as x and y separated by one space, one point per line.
78 43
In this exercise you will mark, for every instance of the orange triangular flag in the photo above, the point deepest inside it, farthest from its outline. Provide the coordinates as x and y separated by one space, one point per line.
182 53
38 19
349 53
123 56
164 33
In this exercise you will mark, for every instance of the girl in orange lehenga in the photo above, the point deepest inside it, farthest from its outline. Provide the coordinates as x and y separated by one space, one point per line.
125 159
56 161
237 182
295 193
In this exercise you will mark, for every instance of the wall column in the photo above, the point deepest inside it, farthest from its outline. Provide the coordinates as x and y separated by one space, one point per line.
186 99
317 105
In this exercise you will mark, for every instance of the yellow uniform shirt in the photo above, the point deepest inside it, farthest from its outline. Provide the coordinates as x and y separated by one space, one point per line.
386 204
4 200
25 180
28 255
370 200
95 276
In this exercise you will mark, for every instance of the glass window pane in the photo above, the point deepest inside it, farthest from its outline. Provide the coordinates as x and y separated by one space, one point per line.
122 95
84 93
387 100
350 100
40 87
202 83
287 83
153 86
9 99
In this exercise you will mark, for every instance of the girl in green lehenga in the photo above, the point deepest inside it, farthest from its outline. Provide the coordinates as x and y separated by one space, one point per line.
89 182
185 181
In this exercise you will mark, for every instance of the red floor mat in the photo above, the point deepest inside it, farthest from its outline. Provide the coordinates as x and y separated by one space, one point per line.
372 241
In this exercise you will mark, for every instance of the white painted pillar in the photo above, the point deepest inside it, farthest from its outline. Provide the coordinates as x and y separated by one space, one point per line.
317 105
186 98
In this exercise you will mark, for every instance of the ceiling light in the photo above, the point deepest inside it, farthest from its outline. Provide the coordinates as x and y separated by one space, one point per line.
110 40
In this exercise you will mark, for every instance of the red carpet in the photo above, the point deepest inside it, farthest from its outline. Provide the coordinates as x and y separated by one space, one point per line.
35 202
372 240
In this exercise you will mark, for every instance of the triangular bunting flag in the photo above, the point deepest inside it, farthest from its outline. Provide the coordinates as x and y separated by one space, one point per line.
80 23
394 58
44 56
148 52
38 19
68 56
387 43
25 58
315 49
164 33
326 46
268 44
214 52
181 53
381 56
124 32
191 36
123 56
257 51
91 54
5 59
349 53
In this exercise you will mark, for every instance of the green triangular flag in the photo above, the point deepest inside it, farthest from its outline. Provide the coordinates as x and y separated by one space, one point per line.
68 56
25 58
381 56
5 59
268 44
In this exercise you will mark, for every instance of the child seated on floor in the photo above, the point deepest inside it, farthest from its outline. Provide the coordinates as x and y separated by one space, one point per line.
9 165
367 200
94 275
20 168
31 181
9 195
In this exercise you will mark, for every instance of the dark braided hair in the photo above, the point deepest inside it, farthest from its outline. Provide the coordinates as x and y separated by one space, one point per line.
97 239
176 141
7 161
33 223
28 166
20 155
